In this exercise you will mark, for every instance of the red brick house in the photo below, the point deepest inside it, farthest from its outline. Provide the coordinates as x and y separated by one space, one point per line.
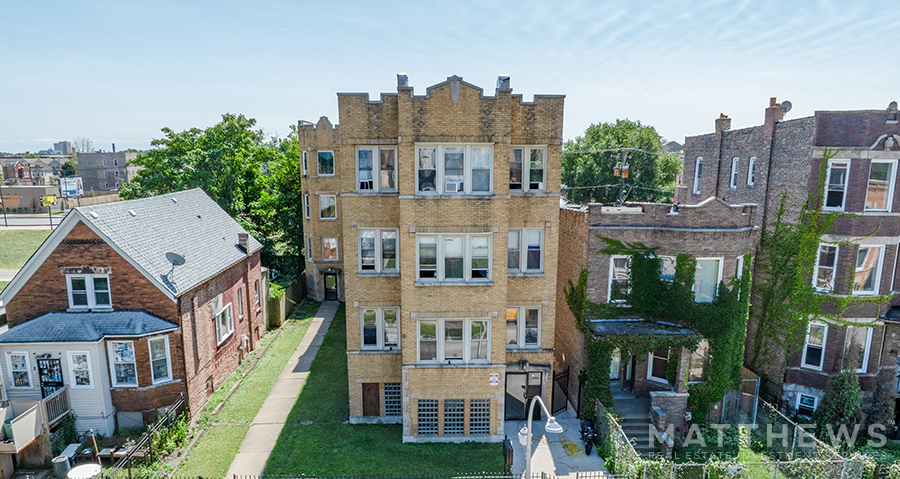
131 304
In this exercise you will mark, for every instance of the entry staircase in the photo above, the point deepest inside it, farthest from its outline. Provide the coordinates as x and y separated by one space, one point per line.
635 421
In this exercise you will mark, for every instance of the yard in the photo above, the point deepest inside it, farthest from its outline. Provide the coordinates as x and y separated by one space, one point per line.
3 284
317 441
16 246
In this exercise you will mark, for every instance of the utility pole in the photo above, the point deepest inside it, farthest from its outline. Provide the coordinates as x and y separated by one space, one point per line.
621 170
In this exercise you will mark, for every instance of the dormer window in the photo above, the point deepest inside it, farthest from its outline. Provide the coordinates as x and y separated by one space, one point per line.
89 291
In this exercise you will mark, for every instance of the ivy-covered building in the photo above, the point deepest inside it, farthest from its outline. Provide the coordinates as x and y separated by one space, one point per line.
825 295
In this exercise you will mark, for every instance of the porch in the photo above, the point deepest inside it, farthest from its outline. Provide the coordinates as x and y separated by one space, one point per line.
29 419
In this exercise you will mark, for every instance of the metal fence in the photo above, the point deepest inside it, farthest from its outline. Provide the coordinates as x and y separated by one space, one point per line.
618 452
784 439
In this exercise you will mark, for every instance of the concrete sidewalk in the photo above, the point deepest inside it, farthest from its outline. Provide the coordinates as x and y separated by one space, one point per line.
266 426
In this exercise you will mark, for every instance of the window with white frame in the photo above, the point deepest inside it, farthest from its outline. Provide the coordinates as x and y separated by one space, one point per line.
329 249
454 340
454 169
380 328
836 184
160 362
88 291
751 171
706 279
378 250
224 324
450 257
80 369
527 169
619 268
121 360
880 190
240 300
667 268
325 163
739 267
698 174
826 265
734 172
309 248
19 369
814 348
376 169
867 275
306 205
304 164
327 207
523 327
256 291
658 363
807 405
857 344
525 250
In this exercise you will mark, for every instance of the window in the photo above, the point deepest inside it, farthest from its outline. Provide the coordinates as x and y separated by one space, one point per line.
106 174
306 205
121 359
80 369
857 344
658 363
454 340
329 249
698 174
734 172
619 267
427 417
532 242
814 349
115 162
325 162
699 362
527 169
304 164
880 190
739 267
376 169
706 280
454 257
454 417
751 172
106 186
160 364
392 400
806 405
117 185
836 184
256 291
523 327
89 291
116 173
20 370
454 169
667 268
823 276
309 249
378 251
380 328
327 207
224 324
479 416
240 300
867 276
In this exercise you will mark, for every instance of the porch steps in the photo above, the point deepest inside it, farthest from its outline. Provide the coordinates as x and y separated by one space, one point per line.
637 429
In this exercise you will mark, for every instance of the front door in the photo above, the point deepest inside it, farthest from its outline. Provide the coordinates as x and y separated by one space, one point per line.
50 372
520 387
371 399
331 287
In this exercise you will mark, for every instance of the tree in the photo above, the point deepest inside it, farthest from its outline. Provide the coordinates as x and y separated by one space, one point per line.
82 145
840 403
590 175
69 168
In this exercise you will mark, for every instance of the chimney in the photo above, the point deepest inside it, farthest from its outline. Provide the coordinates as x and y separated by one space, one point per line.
244 241
774 114
402 81
722 123
503 83
114 147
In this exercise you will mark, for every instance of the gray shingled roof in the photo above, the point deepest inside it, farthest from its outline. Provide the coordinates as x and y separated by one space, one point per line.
635 327
188 223
75 327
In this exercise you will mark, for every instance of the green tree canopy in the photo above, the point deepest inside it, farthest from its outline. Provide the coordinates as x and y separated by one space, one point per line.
648 172
69 168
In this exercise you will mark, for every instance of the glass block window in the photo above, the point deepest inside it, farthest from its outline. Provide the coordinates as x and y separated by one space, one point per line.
480 416
392 401
454 417
428 417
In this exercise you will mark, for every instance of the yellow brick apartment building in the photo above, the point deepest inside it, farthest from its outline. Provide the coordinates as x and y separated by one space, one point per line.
435 217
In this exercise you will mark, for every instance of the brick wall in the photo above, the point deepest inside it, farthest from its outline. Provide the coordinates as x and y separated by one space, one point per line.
574 238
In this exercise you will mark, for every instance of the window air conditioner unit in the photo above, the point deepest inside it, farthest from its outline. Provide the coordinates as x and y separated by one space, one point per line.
452 187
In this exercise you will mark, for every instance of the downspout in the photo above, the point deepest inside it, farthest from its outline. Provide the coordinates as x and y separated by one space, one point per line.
774 113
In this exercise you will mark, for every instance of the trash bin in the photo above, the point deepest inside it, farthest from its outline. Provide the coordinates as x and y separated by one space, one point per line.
7 428
507 454
60 466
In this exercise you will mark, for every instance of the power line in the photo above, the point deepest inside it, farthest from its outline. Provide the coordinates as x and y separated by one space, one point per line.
616 186
610 150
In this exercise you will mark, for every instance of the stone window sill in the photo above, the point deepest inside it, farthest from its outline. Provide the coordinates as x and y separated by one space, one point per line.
377 275
376 351
521 274
454 283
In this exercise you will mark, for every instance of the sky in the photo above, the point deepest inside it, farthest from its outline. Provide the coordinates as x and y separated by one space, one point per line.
119 71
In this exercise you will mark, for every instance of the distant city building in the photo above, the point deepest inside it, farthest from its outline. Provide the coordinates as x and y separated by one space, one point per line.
105 171
64 147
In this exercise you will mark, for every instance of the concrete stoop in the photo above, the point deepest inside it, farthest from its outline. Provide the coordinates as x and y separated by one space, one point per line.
637 429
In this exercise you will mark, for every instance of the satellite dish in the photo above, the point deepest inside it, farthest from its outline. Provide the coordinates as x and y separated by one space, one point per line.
786 105
175 258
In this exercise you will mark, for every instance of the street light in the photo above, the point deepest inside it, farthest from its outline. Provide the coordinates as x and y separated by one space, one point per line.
552 427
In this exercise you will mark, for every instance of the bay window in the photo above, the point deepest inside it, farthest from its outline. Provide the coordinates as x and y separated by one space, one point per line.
523 327
531 241
376 169
325 162
454 340
814 348
836 185
880 190
378 250
826 264
454 169
448 257
867 275
527 169
88 291
122 363
160 362
380 328
706 279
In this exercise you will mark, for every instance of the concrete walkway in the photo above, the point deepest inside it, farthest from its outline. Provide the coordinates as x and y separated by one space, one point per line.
266 426
561 455
7 274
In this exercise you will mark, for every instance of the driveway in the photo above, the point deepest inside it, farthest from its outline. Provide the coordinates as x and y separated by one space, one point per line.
556 454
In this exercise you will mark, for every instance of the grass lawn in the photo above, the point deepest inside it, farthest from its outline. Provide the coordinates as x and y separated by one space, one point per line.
3 284
16 246
214 452
316 441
